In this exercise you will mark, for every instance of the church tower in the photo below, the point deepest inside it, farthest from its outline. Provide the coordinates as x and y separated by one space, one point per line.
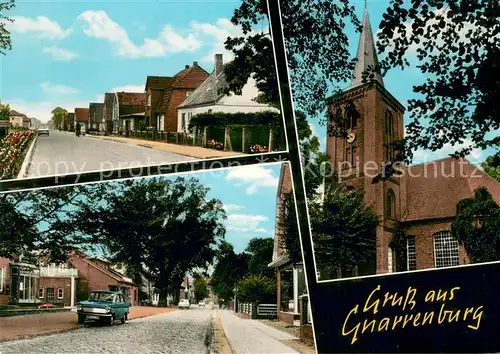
374 120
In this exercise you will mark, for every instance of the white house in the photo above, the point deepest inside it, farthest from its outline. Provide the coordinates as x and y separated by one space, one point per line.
209 97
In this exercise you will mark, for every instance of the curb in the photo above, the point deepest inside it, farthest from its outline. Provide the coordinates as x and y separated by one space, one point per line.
27 159
29 336
210 335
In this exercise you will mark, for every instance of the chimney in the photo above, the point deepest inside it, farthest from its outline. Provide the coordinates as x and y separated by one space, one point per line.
218 64
195 63
187 66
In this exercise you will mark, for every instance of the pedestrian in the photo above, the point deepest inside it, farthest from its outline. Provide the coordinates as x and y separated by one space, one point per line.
78 129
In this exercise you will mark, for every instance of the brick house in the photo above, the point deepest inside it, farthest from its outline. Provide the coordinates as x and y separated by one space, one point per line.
71 121
165 94
290 278
423 200
96 115
110 121
210 97
82 118
61 284
131 111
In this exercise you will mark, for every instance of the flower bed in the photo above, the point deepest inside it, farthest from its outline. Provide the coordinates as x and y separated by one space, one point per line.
215 145
13 148
258 149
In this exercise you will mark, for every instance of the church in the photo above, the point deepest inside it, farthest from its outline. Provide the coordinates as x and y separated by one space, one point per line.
423 198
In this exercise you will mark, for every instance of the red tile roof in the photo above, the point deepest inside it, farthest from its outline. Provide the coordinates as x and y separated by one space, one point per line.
435 188
81 114
131 98
158 82
16 113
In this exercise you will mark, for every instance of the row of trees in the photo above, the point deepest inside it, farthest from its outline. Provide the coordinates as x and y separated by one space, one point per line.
245 273
160 229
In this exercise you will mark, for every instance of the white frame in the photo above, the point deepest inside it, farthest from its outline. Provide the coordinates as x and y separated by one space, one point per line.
390 260
2 277
53 294
408 252
60 290
43 293
451 240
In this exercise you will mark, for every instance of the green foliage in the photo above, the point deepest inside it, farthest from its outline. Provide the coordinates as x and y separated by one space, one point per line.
492 166
343 230
315 62
59 115
222 119
477 226
460 61
4 112
260 251
256 288
288 223
398 244
200 289
229 269
5 40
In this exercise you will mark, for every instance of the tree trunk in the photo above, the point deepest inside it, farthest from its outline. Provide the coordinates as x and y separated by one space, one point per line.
162 301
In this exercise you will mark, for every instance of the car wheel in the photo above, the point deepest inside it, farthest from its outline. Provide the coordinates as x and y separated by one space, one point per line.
81 319
123 319
111 320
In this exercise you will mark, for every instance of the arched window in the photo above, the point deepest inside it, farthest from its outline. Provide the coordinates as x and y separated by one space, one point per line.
351 117
446 250
389 136
411 254
390 208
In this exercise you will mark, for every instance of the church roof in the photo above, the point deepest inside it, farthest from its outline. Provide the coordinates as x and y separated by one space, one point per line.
367 54
434 188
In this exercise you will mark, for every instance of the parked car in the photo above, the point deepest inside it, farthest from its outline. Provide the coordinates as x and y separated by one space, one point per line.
201 303
184 304
43 131
103 306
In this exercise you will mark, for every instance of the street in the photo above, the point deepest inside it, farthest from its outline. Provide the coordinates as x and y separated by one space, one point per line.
181 331
64 152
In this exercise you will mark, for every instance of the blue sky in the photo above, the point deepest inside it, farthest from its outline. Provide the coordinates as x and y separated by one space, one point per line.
399 83
69 53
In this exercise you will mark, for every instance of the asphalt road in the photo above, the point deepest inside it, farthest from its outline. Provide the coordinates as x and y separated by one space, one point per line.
64 152
181 331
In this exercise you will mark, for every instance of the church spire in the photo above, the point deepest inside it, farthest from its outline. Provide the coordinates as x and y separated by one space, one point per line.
367 54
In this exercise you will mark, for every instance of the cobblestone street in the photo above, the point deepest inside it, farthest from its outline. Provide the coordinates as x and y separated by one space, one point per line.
181 331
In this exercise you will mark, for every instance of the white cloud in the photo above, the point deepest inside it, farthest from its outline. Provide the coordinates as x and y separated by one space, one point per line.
43 26
60 54
246 223
233 207
55 89
253 177
216 34
129 88
100 25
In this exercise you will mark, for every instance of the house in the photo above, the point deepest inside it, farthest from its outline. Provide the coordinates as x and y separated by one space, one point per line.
111 120
26 122
165 94
82 117
290 278
210 97
17 119
96 116
131 111
423 199
71 121
61 284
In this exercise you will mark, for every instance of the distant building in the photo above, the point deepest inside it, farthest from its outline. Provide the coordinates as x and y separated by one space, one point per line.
96 115
18 119
82 117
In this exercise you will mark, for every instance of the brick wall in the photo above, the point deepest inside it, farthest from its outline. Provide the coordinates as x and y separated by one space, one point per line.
56 283
5 265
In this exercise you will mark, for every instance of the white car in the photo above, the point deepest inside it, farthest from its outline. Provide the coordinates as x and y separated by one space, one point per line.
43 131
201 304
184 304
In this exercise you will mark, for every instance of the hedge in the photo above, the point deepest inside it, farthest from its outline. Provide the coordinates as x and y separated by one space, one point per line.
222 119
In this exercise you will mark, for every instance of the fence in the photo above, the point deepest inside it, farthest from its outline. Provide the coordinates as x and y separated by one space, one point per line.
267 310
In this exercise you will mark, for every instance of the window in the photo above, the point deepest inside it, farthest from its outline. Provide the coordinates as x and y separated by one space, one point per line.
183 121
60 293
390 260
2 278
113 288
40 293
445 250
390 211
187 93
389 135
50 294
351 117
411 257
27 288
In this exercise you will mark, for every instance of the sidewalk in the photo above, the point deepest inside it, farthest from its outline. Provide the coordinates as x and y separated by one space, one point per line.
18 327
250 336
190 151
